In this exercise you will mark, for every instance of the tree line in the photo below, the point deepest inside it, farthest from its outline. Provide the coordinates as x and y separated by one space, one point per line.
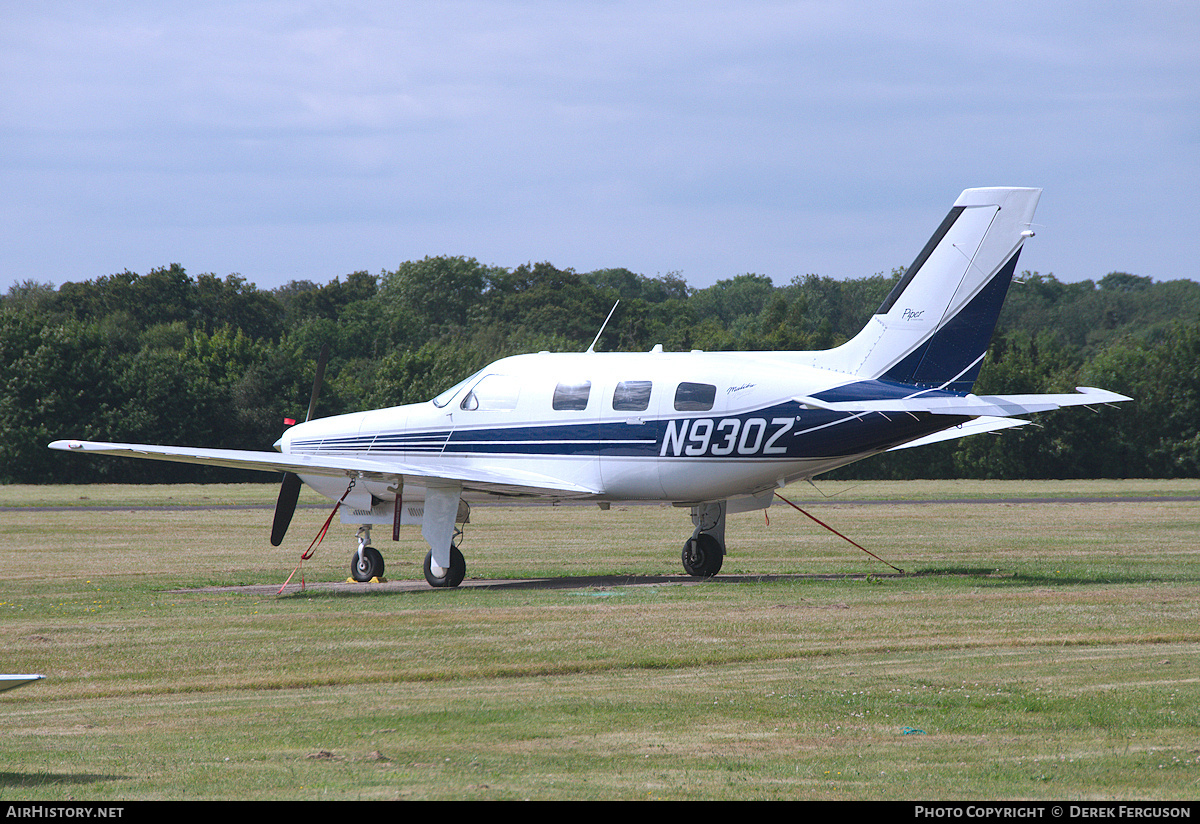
166 357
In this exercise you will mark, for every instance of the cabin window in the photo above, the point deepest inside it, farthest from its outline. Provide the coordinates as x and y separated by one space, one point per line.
695 397
572 396
632 396
495 392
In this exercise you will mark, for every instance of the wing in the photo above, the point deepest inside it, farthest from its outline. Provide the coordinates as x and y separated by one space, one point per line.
512 482
11 682
1003 406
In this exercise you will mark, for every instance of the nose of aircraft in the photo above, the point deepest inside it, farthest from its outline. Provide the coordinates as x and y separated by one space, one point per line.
285 440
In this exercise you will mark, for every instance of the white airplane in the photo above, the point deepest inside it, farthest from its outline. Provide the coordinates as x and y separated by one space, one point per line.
716 432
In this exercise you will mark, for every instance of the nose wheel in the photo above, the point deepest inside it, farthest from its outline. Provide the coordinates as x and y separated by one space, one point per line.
366 564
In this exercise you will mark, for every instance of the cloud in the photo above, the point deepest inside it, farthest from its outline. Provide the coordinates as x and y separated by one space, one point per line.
288 140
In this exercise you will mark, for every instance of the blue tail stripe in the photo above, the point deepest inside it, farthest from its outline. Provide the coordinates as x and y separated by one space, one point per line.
952 356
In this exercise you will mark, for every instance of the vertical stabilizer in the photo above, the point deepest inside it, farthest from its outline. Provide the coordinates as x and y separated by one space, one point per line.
935 326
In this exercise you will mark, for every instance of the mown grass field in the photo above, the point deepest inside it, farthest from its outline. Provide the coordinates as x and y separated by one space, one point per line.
1033 650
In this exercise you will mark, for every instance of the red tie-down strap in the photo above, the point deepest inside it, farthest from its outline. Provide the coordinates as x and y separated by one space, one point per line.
316 542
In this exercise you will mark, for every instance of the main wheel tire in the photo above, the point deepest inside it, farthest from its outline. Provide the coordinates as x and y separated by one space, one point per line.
454 575
366 565
702 556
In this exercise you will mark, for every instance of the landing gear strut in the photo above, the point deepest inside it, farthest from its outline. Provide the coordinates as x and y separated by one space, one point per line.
705 550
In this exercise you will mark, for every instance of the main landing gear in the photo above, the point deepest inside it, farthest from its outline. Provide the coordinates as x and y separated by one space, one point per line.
705 550
367 563
702 555
452 577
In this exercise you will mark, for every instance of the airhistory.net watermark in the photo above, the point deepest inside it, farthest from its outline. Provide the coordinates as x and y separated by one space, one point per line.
61 811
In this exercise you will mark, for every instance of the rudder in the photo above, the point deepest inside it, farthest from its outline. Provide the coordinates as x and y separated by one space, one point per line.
934 328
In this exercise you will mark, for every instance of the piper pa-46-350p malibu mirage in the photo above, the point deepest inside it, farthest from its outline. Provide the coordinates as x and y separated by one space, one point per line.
718 432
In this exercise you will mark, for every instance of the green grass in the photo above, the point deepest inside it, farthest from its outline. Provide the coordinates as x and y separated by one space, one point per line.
1043 651
107 495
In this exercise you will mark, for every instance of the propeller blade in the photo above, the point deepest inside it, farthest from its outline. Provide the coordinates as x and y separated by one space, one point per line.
285 507
322 359
289 490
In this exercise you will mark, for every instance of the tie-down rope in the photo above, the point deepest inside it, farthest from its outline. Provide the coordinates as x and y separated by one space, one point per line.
835 532
316 542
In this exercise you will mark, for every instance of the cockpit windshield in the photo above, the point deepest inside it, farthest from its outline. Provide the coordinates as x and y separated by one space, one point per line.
447 396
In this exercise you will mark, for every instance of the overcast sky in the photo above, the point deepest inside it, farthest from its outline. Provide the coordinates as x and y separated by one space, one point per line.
306 140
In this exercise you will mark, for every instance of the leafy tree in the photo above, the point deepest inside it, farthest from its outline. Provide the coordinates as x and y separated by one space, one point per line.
54 381
239 305
629 286
1159 434
215 361
538 298
439 291
729 300
1125 282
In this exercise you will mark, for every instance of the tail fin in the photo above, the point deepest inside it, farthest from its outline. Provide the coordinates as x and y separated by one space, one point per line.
934 328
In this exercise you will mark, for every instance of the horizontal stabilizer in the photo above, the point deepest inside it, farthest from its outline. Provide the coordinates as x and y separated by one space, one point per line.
513 480
975 427
1004 406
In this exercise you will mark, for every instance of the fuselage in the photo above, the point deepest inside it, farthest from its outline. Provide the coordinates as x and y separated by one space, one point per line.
676 427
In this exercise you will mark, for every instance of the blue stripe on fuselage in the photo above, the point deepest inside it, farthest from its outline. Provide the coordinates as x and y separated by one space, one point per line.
785 431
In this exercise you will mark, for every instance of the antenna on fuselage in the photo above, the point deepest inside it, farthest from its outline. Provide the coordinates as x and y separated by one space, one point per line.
592 348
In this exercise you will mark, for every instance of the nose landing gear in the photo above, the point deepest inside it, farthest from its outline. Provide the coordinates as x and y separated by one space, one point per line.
704 552
367 563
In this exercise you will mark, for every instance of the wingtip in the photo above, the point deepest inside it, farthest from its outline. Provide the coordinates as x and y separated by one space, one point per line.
1102 395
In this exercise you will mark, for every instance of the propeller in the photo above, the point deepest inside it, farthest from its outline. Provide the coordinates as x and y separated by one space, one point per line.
289 490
